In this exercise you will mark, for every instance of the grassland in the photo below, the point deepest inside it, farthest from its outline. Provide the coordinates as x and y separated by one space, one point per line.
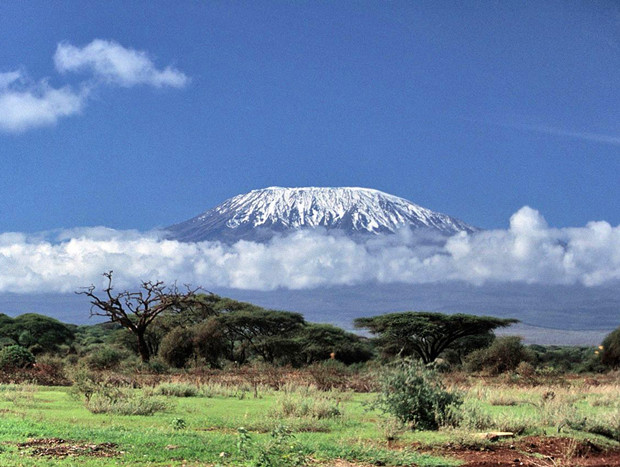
216 424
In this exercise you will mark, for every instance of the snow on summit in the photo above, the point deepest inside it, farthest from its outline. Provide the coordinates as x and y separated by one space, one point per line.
259 214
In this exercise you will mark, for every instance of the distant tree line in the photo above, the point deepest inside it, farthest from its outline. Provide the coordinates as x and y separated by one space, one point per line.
177 329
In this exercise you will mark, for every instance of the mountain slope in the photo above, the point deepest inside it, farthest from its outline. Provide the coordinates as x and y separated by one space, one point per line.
259 214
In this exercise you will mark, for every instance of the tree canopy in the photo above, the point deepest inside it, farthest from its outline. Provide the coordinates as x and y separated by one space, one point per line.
324 341
38 333
268 333
426 334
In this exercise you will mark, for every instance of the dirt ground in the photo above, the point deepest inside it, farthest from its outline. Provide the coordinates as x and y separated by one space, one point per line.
529 452
60 448
537 452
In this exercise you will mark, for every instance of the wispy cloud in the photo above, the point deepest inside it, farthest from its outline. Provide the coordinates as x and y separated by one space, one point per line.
113 63
27 103
581 135
6 79
527 252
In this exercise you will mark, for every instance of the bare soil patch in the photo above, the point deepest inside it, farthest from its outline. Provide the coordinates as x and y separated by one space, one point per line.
61 448
536 451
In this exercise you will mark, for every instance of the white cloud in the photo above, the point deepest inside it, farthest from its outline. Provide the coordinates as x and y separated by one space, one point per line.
8 78
27 105
529 251
113 63
582 135
549 130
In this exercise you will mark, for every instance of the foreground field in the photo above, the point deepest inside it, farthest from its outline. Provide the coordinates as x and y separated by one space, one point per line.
214 424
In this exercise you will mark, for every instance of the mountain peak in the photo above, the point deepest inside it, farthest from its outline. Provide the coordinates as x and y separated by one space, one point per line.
259 214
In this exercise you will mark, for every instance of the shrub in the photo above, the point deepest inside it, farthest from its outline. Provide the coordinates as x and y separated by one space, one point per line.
319 407
565 359
329 374
472 415
16 356
177 390
415 395
6 341
49 371
105 357
177 347
504 354
209 341
610 352
107 396
123 401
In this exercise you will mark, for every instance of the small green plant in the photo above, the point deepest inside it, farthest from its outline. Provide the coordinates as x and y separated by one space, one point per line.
244 441
178 424
391 428
280 451
414 394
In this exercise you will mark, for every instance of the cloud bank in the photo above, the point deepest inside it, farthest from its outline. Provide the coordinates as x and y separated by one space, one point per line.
26 104
529 251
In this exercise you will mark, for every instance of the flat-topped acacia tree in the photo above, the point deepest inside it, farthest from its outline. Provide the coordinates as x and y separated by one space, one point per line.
137 310
426 334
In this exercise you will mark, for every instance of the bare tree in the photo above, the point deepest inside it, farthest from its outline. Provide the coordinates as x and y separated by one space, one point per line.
135 311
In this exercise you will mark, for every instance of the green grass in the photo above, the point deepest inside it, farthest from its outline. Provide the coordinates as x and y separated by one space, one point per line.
210 428
196 430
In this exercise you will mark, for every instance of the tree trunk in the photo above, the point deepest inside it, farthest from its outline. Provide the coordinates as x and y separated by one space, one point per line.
143 348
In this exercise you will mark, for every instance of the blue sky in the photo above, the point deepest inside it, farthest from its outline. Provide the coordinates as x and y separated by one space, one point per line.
474 109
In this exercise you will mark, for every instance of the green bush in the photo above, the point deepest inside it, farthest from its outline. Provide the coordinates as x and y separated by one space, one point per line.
318 407
105 357
124 401
108 396
472 415
610 352
177 390
414 394
177 347
16 356
504 354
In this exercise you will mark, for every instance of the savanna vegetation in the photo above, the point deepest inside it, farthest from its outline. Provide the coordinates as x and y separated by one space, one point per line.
190 378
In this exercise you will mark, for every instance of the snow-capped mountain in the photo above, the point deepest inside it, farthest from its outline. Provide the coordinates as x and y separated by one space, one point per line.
259 214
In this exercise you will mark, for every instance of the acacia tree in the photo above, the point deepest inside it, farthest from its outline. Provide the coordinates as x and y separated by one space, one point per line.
426 334
267 333
136 311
